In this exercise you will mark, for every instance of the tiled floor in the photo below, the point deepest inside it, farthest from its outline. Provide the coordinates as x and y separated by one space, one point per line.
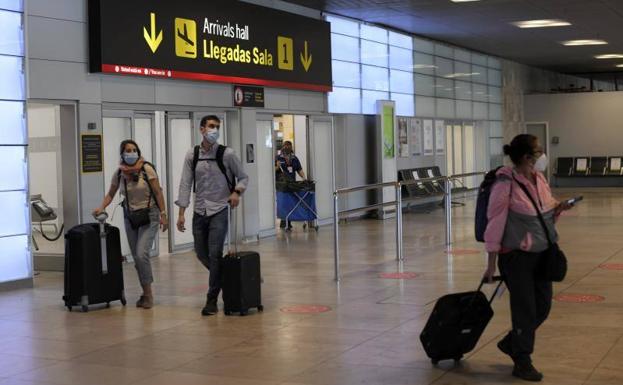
370 336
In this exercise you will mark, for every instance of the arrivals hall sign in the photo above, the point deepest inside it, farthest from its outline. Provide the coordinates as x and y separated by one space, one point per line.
220 41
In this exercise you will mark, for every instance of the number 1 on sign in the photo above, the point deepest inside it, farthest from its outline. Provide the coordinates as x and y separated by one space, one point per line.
285 53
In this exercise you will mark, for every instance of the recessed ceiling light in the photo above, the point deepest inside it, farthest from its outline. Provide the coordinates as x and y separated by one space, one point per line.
571 43
462 1
541 23
620 65
610 56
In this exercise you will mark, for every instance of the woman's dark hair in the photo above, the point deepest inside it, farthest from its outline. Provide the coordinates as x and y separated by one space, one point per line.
521 145
125 143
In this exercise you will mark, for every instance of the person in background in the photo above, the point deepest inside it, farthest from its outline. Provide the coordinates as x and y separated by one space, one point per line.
140 187
516 238
287 165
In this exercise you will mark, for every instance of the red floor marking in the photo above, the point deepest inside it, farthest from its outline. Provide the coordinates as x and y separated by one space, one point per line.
305 309
611 266
408 275
463 251
579 298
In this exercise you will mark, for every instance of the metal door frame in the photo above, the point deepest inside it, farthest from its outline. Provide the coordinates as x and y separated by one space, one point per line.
268 117
311 155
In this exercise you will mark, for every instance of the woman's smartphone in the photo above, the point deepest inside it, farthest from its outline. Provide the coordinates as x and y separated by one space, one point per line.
575 200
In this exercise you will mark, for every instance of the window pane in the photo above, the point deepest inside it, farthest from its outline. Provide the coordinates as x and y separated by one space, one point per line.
495 111
401 81
368 101
480 92
463 109
13 170
377 34
479 74
425 106
481 111
495 94
463 90
423 45
445 108
11 33
374 78
344 48
13 127
496 130
344 101
423 63
400 59
495 77
14 220
12 78
445 67
463 70
444 88
374 53
346 74
15 259
462 55
425 85
343 26
479 59
494 63
12 5
400 40
444 50
405 104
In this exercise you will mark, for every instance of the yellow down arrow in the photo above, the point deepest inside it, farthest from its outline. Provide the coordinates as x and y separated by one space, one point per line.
307 59
152 40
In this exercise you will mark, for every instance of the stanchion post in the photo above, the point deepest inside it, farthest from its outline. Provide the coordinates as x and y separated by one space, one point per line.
399 256
336 236
448 207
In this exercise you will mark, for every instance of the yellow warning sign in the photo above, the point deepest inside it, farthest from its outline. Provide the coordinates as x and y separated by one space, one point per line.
285 53
185 38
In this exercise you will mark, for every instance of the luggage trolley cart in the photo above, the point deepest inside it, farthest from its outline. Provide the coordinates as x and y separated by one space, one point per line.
296 201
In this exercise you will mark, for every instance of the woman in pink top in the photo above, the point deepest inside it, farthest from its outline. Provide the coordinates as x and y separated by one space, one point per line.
515 237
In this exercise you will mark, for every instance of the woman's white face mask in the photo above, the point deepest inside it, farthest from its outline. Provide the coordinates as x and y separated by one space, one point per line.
541 163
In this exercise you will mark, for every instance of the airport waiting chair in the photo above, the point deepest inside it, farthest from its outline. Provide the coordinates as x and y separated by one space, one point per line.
564 166
598 165
615 164
581 166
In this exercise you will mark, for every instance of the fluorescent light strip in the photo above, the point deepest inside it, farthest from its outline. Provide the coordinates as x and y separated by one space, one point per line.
463 1
573 43
619 65
541 23
610 56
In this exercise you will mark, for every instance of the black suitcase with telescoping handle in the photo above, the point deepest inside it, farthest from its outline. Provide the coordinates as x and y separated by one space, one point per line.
456 324
241 278
93 265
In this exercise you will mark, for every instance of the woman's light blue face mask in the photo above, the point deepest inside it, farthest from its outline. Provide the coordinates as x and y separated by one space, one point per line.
130 158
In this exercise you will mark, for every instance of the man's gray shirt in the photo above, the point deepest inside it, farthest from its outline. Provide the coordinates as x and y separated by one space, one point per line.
212 188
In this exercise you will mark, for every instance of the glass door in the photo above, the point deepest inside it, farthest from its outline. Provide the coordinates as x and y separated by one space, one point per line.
266 175
322 168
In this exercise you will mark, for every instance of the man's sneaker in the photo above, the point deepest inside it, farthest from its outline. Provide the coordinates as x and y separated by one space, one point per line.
210 308
527 372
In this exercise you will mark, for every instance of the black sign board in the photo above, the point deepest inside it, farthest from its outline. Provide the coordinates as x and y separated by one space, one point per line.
245 96
217 40
91 146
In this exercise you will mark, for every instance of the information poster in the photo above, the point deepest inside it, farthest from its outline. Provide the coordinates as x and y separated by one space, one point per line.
428 136
91 153
403 138
388 131
416 137
440 136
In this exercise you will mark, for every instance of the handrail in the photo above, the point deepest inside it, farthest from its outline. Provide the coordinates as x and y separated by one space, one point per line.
447 180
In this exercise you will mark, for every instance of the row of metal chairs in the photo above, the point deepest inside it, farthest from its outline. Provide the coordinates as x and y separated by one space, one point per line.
419 189
589 166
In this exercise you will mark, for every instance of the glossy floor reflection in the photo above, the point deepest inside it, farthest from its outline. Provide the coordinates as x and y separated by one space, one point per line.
370 336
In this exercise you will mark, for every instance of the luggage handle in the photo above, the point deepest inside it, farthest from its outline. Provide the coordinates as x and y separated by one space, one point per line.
496 278
101 218
230 211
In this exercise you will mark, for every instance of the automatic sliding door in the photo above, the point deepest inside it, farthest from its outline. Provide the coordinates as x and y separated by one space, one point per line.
322 165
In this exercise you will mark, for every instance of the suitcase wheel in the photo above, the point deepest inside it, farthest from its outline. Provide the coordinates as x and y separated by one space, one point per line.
260 308
123 301
85 308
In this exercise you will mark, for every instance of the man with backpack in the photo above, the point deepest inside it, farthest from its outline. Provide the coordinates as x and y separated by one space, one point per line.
214 173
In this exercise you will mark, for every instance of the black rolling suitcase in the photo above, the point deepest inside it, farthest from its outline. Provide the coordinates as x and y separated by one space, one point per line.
93 270
456 324
241 280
